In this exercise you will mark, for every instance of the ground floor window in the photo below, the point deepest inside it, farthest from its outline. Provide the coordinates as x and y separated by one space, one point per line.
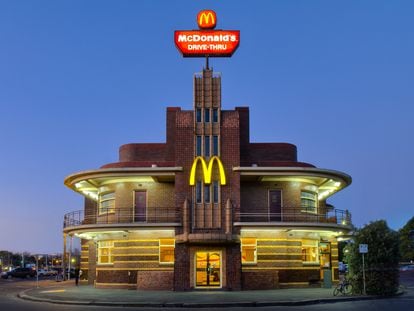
310 251
105 252
167 250
249 250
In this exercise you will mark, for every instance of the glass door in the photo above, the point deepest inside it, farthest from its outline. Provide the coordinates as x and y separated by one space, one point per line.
208 269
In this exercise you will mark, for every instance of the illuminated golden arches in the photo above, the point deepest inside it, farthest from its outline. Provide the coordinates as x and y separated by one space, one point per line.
206 19
207 170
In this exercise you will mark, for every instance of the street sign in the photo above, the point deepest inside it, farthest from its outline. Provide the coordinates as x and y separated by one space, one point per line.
363 248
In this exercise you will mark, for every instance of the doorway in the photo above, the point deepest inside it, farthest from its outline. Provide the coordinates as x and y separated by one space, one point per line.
140 206
208 269
275 205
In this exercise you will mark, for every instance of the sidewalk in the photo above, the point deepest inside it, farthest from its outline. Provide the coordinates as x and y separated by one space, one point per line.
68 293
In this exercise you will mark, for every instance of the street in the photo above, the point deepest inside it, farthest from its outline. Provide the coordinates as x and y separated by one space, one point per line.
10 288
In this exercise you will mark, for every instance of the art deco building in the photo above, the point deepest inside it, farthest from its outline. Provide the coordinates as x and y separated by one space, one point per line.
208 208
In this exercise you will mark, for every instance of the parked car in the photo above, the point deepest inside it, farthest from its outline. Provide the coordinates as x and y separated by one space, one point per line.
20 273
407 268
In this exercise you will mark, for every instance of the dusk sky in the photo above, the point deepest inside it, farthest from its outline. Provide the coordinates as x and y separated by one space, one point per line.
80 78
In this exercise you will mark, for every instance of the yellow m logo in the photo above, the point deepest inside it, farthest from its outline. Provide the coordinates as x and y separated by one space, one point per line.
207 170
206 19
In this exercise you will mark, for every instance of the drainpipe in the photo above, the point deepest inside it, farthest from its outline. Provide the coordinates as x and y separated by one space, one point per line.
186 219
228 218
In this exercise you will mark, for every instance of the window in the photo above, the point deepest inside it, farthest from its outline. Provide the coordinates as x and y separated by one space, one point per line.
198 191
198 145
215 191
206 193
105 252
198 115
310 251
215 145
215 115
248 250
167 250
207 146
207 115
308 201
107 203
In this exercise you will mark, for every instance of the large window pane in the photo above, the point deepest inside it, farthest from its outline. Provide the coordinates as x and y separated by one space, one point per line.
107 203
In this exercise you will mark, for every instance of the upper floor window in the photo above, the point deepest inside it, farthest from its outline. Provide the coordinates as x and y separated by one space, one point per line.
249 250
206 115
215 145
308 201
215 115
207 194
207 146
215 191
198 115
198 146
167 250
105 252
107 203
198 191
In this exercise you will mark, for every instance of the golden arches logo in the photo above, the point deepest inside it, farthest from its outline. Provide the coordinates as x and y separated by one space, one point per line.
206 19
207 170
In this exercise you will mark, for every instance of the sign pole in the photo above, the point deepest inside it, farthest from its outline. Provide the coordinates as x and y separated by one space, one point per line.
363 273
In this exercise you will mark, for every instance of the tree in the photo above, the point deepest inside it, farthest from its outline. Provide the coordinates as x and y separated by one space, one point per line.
407 241
381 261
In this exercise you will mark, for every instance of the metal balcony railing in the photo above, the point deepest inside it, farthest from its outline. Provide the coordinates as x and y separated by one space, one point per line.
298 214
153 215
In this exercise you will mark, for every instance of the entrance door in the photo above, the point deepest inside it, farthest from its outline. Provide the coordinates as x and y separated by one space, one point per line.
140 207
275 205
208 269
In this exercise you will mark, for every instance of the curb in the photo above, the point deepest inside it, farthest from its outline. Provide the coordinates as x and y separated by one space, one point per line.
23 295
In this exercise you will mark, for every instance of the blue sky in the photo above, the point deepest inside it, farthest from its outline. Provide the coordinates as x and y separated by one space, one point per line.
80 78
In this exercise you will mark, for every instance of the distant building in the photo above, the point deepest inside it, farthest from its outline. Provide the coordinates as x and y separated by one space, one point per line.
208 208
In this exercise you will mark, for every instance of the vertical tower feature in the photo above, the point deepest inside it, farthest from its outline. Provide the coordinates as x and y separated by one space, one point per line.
207 111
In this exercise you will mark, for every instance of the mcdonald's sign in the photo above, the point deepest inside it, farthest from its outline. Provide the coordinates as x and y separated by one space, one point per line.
207 170
206 19
206 41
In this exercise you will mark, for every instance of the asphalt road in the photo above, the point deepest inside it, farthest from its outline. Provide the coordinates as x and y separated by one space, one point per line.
10 288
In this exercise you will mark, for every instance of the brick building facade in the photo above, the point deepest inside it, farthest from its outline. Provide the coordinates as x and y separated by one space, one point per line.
208 208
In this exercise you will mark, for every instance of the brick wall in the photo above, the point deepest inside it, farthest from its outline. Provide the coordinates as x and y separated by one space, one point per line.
260 280
155 280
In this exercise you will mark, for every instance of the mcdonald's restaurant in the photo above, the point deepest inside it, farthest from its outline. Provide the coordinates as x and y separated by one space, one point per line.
207 209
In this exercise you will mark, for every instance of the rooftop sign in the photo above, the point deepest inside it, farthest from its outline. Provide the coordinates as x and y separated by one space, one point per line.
207 41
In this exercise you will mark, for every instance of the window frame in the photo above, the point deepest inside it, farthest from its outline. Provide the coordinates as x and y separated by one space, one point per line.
169 246
207 116
199 117
315 246
111 208
207 148
306 208
198 194
198 145
248 245
109 247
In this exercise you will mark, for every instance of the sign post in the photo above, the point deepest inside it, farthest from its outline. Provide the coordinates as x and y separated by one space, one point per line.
363 249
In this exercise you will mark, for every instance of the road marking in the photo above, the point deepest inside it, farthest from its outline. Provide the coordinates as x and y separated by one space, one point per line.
54 291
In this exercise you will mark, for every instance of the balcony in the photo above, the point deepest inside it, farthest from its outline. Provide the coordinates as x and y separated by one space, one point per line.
154 215
296 215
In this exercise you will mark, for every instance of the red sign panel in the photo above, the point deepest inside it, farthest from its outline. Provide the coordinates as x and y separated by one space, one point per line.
206 19
213 43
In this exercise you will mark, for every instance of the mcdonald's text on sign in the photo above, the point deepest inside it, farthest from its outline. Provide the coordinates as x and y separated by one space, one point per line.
215 43
207 170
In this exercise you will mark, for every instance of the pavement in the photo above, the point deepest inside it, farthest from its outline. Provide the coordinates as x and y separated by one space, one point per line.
67 293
